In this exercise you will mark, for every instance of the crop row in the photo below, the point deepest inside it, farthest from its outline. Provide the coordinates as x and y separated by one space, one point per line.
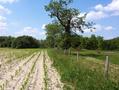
16 72
27 78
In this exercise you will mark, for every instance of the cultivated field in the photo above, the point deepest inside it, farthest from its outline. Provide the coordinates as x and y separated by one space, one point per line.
29 69
33 69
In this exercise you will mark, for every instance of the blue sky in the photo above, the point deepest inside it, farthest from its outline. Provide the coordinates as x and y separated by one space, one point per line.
28 17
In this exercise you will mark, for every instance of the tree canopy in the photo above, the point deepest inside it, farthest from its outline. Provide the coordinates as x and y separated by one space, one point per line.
25 42
6 41
54 32
19 42
69 18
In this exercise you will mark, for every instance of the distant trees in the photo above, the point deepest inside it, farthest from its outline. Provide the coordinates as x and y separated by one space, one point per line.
77 41
112 44
6 41
92 43
69 18
100 41
55 39
19 42
25 42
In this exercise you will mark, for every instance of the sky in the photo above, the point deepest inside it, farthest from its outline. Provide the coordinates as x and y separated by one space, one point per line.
28 17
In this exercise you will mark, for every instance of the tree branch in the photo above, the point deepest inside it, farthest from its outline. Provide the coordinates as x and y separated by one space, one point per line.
57 15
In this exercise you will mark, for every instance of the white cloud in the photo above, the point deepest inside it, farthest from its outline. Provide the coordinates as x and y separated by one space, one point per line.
99 7
27 31
4 10
2 18
87 30
113 6
3 26
99 28
8 1
100 11
42 33
109 28
30 31
43 27
3 23
95 15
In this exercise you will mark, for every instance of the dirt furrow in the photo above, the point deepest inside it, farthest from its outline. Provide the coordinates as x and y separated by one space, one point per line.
53 77
17 81
37 82
9 70
14 70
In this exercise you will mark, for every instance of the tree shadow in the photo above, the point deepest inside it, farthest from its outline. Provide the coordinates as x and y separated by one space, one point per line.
89 55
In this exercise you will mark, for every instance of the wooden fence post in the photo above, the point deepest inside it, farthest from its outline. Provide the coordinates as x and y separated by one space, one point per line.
77 55
69 52
64 51
106 72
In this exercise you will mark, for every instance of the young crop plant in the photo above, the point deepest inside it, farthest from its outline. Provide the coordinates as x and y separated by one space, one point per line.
45 72
26 80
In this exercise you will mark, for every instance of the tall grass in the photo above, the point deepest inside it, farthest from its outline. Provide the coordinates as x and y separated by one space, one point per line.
113 55
78 76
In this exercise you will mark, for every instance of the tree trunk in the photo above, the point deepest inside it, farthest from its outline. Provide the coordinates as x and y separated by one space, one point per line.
67 37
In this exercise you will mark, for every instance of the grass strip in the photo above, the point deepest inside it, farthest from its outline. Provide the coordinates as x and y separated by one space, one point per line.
77 75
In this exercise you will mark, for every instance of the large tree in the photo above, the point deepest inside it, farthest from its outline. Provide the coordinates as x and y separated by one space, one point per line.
53 32
70 18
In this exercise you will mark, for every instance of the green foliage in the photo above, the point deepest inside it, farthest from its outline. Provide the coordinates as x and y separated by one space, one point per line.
6 41
100 42
56 38
54 32
69 18
43 43
77 75
77 41
112 44
25 42
92 43
19 42
113 55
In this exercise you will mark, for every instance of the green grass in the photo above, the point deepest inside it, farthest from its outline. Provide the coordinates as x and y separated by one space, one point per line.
81 74
113 55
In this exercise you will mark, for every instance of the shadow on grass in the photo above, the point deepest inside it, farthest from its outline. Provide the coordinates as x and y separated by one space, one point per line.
98 56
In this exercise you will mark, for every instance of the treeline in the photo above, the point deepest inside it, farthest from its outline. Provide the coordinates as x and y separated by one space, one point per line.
52 41
80 42
19 42
112 44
